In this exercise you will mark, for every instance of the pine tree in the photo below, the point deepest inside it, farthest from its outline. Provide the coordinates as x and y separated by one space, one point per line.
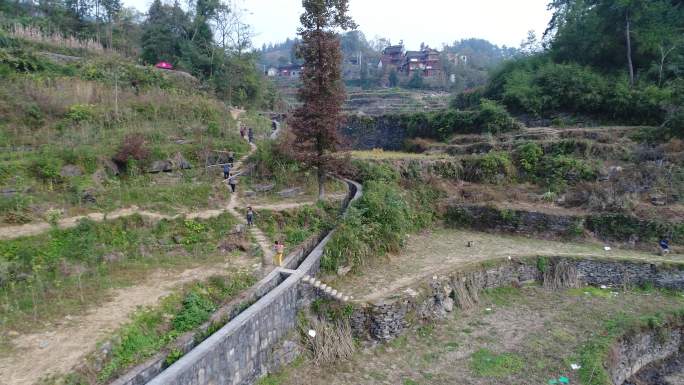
322 93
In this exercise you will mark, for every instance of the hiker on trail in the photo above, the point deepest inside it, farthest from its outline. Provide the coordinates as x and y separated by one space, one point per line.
250 134
242 132
664 246
274 125
226 171
250 217
232 181
279 249
231 157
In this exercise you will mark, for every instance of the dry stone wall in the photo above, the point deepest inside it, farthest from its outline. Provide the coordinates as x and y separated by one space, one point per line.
435 297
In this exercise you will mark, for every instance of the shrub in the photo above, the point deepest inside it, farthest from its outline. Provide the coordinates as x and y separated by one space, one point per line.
494 167
468 99
368 171
528 156
80 113
378 222
134 147
47 168
492 117
561 170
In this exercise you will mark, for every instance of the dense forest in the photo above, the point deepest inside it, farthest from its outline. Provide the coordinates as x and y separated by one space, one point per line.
617 61
210 40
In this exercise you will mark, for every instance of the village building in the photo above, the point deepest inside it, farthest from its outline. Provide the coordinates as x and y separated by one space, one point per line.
291 70
271 72
392 56
426 61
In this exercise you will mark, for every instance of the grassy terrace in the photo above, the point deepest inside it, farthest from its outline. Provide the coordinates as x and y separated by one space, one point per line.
516 336
446 249
394 155
47 277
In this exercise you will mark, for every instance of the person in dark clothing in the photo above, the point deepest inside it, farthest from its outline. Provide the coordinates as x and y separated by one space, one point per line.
232 181
250 217
231 157
664 246
242 132
274 125
226 171
250 134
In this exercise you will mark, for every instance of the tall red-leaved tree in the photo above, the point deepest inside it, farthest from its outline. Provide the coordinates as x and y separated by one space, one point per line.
315 124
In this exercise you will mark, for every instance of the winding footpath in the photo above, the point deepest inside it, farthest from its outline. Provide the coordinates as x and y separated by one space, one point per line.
65 343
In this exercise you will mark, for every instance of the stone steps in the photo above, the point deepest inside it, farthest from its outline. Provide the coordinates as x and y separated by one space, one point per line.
326 290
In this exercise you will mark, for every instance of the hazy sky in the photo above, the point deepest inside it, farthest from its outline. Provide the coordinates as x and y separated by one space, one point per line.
431 21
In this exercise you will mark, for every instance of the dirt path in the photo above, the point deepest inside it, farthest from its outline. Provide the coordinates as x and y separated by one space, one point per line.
60 349
429 253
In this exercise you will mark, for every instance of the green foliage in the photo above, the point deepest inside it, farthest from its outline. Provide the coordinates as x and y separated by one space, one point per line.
297 225
150 329
378 222
561 170
543 264
416 81
493 118
196 309
371 171
528 157
494 167
541 87
624 227
485 363
47 168
173 356
80 113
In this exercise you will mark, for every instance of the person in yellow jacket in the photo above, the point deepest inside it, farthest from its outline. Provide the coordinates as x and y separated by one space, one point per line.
279 249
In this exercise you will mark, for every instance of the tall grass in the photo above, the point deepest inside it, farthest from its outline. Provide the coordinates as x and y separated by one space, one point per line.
38 35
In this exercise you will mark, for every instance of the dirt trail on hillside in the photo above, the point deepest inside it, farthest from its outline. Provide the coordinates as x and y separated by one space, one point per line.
65 346
445 249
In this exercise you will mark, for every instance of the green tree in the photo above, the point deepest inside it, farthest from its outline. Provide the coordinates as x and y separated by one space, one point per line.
416 80
393 78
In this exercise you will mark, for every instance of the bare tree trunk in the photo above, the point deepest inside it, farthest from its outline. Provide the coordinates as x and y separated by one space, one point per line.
321 183
663 57
628 36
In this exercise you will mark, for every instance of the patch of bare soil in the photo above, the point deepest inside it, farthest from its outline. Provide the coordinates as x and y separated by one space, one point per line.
35 356
445 249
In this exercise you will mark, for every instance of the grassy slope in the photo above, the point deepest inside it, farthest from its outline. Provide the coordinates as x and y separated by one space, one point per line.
78 114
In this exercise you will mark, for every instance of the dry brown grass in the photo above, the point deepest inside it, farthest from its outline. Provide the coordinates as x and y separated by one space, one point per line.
333 341
37 35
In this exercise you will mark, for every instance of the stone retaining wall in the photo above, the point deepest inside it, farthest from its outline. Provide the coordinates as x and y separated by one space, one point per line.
625 229
437 296
250 345
634 352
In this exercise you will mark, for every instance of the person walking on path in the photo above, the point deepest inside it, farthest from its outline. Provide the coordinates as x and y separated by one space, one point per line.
226 171
232 181
231 157
250 134
664 246
242 132
279 251
250 217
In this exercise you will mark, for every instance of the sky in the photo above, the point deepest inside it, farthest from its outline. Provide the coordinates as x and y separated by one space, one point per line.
503 22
